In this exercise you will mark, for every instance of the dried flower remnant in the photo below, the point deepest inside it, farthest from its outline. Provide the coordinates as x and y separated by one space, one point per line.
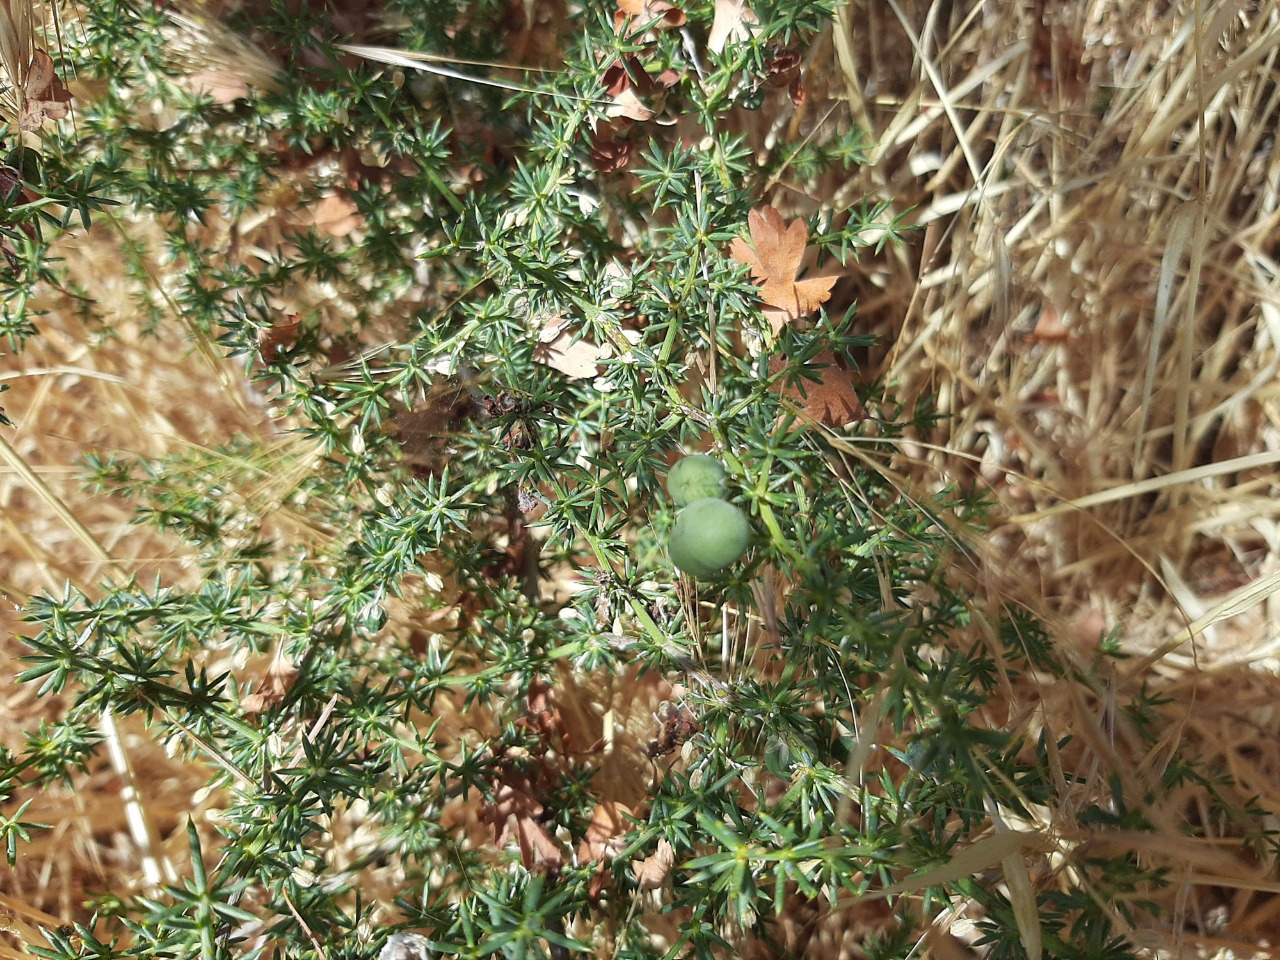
406 946
679 725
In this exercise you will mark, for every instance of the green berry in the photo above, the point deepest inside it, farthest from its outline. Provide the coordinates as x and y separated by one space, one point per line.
708 535
695 478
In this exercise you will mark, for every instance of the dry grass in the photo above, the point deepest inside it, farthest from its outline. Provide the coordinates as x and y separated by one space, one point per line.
1089 312
1092 298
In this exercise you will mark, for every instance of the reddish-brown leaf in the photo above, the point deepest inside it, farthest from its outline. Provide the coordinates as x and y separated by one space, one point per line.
275 684
608 823
652 872
633 15
280 337
776 256
635 94
43 95
831 399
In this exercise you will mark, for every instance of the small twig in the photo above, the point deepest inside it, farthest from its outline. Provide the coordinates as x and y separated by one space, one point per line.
315 942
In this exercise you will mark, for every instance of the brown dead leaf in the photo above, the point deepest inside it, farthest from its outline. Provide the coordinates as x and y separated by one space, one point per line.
608 823
337 216
222 86
734 22
635 94
652 872
543 717
275 684
831 399
556 348
515 811
43 95
646 15
783 70
279 337
610 155
776 256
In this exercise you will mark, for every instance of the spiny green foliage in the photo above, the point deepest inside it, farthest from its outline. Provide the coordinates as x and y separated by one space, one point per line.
545 473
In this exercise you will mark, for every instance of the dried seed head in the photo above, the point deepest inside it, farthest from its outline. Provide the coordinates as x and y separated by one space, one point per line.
406 946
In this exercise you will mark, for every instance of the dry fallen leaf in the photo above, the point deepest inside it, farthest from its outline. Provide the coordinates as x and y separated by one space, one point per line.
636 95
222 86
337 216
831 399
651 872
783 70
515 811
43 95
608 823
645 14
279 337
556 347
275 684
734 22
776 256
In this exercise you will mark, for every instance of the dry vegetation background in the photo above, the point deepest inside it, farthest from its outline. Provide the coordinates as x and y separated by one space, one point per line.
1091 295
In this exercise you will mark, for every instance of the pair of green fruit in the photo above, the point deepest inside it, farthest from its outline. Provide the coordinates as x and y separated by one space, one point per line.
709 533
